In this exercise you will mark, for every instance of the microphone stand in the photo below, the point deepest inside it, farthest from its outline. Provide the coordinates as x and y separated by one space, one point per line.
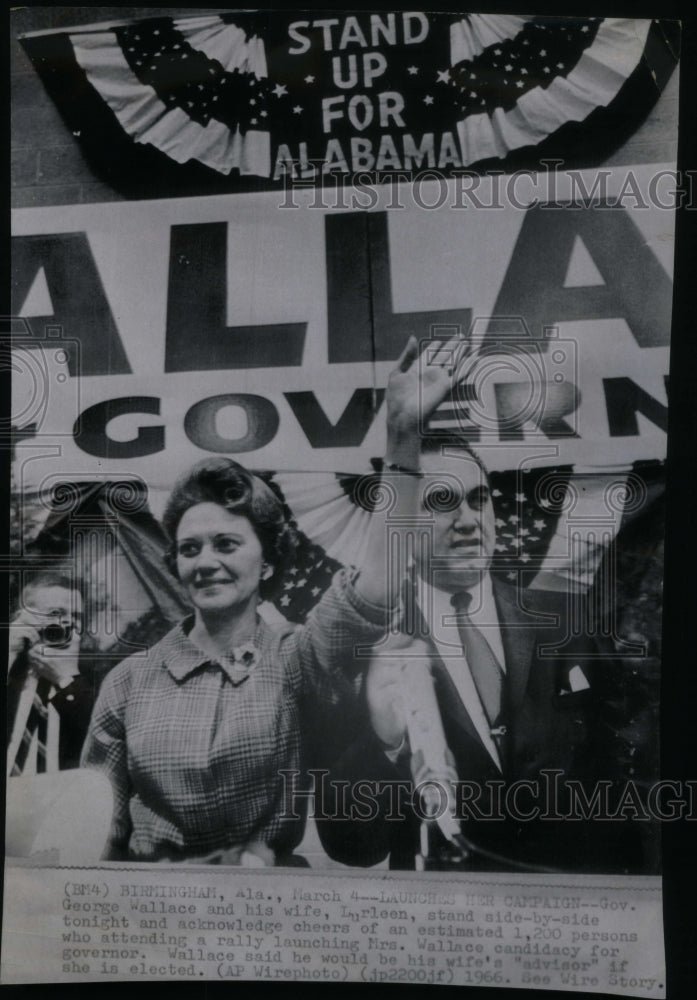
434 774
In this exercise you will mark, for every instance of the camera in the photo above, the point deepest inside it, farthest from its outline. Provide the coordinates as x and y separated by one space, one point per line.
56 635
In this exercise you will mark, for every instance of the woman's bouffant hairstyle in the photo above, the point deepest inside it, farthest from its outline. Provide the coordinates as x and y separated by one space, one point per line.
225 482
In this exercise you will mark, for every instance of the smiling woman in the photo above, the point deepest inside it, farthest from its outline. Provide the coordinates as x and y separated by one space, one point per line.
230 539
219 558
198 735
194 737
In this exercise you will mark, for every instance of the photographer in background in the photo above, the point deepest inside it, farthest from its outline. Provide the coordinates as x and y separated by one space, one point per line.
49 701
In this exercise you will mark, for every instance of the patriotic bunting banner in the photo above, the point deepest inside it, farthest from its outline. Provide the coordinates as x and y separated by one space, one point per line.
275 95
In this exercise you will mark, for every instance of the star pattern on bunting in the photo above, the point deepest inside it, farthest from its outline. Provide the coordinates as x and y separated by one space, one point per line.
306 581
526 62
525 516
186 78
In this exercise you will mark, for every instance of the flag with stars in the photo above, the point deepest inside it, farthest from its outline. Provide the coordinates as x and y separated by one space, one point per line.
265 94
311 571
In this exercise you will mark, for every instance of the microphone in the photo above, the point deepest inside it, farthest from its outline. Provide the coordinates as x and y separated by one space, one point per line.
432 763
433 766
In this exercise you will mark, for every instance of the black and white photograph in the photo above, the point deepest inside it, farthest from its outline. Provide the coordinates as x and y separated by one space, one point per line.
340 346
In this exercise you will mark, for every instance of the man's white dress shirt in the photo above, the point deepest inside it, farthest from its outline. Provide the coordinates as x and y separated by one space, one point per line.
437 610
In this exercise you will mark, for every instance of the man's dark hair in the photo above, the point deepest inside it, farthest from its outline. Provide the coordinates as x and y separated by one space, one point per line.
37 579
51 578
227 483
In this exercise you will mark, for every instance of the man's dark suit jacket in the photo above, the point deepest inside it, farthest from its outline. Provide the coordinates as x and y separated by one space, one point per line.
588 735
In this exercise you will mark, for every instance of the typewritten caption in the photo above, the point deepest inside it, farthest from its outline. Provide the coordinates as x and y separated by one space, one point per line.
551 932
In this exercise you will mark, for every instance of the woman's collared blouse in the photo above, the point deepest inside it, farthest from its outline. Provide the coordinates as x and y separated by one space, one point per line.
196 749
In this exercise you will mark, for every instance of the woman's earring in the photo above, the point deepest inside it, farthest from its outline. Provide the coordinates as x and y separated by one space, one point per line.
266 571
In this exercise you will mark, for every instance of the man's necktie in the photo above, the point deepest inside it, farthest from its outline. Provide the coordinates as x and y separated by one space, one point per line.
485 668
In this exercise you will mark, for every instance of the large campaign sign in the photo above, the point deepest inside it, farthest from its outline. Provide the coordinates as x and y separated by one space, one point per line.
265 326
